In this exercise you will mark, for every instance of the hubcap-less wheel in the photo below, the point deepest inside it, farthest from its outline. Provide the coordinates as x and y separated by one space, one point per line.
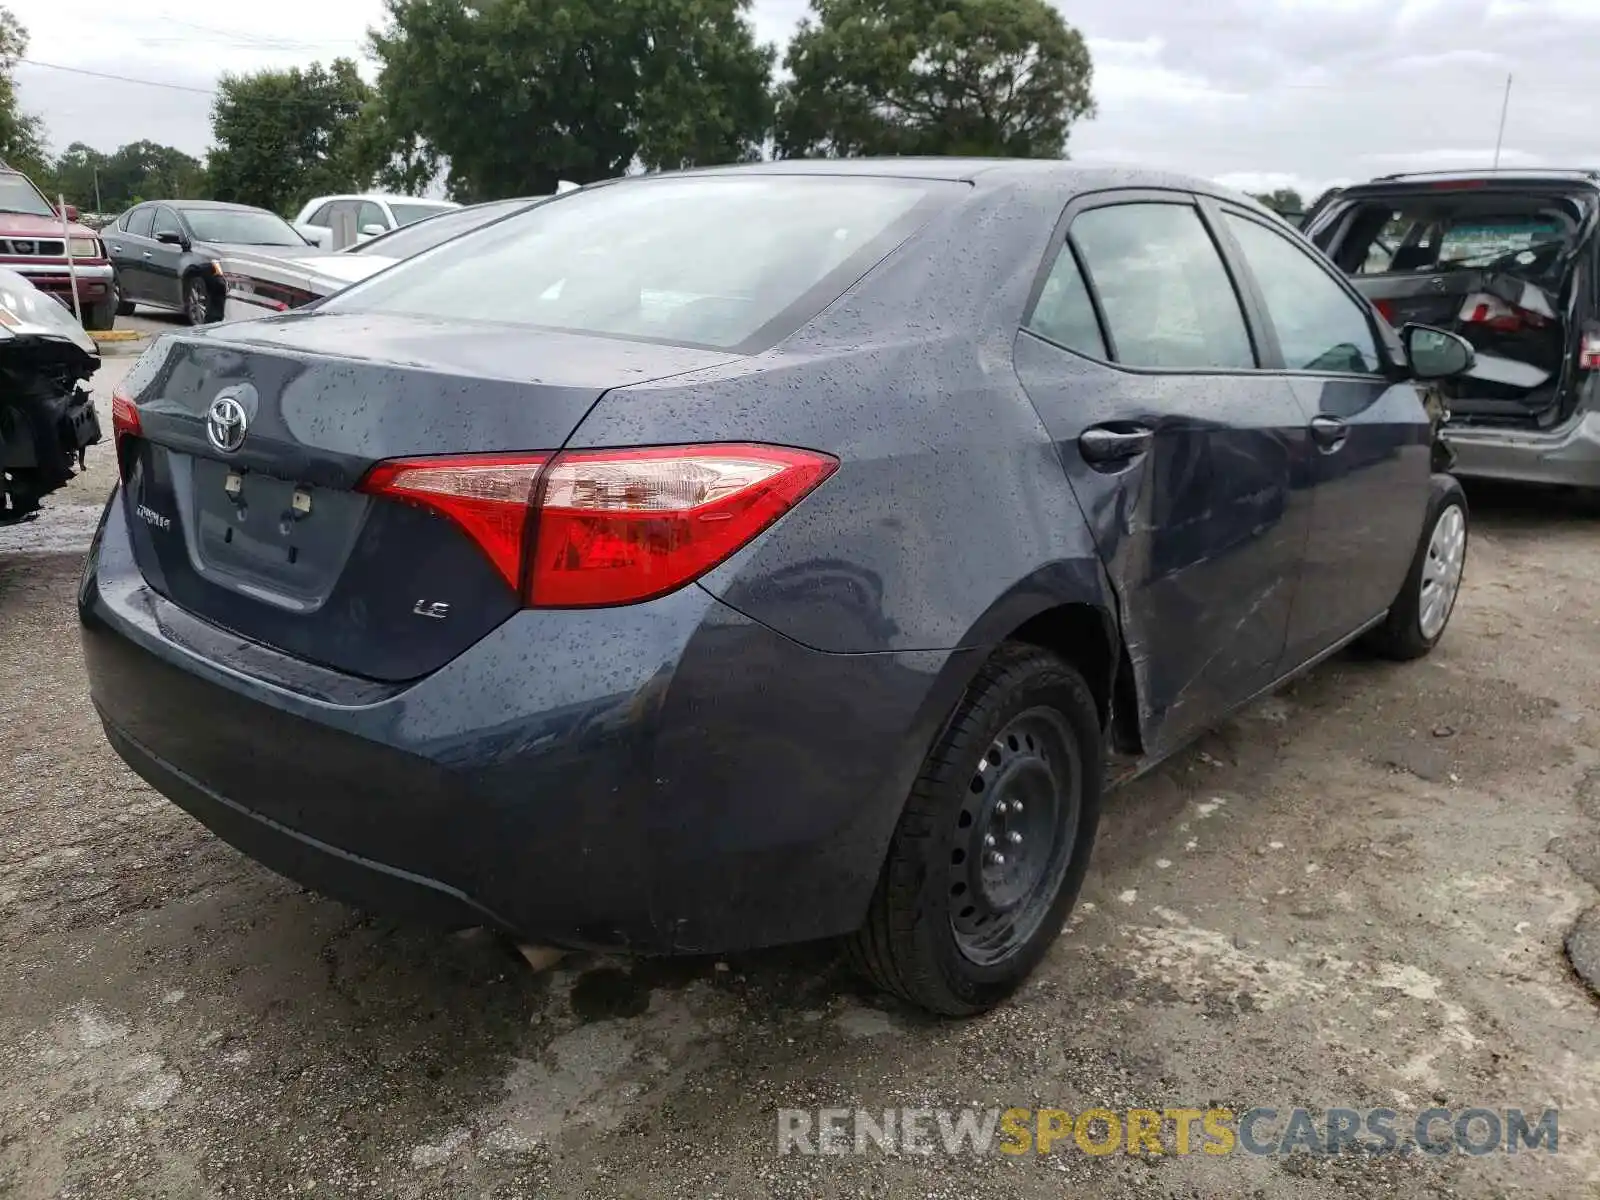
196 303
1014 836
1441 571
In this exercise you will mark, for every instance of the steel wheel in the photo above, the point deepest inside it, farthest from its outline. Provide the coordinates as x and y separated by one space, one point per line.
1015 836
1441 571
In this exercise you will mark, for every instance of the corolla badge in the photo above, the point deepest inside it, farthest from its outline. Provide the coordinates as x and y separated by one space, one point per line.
226 424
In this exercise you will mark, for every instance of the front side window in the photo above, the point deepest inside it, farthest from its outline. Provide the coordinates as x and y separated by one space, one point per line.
166 222
713 260
1166 296
1320 326
370 214
1064 313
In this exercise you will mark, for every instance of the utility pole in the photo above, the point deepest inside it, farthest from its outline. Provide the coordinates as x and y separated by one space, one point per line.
1505 107
97 207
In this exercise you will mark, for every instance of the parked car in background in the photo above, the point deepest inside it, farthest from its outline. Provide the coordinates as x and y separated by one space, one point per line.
33 243
334 222
1510 260
259 286
167 252
712 560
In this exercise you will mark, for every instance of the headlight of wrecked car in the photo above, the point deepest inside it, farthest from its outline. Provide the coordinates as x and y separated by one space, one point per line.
83 248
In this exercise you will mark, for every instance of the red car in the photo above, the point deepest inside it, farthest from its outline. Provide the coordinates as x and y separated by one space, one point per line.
32 243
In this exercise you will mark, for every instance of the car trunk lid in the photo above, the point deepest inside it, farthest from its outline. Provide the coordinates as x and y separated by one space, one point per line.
241 484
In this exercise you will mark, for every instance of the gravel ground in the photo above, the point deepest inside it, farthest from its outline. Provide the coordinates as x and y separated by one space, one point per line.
1356 894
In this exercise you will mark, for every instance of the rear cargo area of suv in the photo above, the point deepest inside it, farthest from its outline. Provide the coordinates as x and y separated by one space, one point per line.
1509 264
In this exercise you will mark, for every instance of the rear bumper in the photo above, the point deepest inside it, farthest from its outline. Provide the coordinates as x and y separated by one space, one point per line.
1568 454
669 777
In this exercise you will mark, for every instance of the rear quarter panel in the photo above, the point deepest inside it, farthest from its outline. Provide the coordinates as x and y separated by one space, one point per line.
949 520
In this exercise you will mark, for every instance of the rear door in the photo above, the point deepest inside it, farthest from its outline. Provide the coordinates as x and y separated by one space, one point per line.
1370 437
1187 459
132 249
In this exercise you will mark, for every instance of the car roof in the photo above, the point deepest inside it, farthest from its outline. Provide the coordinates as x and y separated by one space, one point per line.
208 206
1054 173
389 196
1497 176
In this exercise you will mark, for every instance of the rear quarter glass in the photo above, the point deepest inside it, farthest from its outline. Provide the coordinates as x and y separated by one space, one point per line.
735 262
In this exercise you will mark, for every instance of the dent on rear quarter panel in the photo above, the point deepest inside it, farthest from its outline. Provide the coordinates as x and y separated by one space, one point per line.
949 496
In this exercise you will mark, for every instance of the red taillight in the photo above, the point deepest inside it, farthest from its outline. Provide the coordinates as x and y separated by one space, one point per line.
1589 353
124 424
608 526
124 416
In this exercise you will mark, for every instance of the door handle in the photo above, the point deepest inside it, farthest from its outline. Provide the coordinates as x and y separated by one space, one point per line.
1104 444
115 248
147 254
1329 433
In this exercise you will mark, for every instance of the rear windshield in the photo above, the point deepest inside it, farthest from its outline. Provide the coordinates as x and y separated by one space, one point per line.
732 262
408 213
425 235
1527 235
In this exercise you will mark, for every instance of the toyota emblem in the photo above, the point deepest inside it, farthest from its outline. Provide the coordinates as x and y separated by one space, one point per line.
226 424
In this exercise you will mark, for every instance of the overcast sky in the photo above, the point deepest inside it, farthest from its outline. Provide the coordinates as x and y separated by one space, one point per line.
1255 93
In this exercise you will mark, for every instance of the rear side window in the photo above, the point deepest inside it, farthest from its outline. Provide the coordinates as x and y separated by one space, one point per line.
1167 298
1320 327
1064 313
729 262
320 217
139 221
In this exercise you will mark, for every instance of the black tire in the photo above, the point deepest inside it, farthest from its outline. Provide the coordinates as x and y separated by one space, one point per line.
1402 636
196 301
916 943
124 307
100 317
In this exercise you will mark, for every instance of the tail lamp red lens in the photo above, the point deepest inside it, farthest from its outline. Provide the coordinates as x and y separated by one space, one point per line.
124 423
591 528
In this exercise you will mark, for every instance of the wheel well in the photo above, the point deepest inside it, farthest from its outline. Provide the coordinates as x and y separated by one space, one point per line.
1086 637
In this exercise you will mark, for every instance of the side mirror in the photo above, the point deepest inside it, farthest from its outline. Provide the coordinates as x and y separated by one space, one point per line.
169 237
1436 354
373 231
70 212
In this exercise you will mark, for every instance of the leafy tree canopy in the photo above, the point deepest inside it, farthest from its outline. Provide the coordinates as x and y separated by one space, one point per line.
897 77
516 95
284 136
21 134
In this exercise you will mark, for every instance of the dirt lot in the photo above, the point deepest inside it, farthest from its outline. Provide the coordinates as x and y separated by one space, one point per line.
1355 895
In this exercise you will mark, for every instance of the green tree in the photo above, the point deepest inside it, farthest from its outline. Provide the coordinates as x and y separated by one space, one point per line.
1285 201
137 171
983 77
516 95
282 137
21 134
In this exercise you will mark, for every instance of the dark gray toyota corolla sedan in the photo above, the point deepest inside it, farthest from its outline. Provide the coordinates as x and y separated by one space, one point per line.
706 561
